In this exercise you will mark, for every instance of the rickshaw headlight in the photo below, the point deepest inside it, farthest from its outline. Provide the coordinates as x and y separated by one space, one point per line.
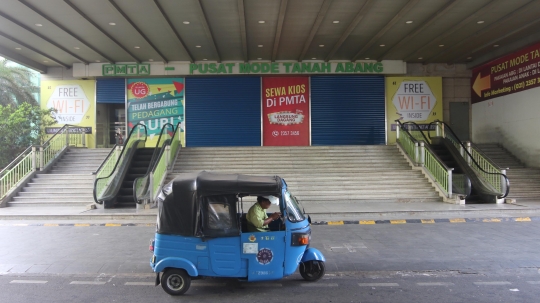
299 239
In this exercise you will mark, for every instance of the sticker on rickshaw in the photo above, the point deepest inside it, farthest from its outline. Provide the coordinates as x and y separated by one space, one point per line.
250 248
264 256
252 238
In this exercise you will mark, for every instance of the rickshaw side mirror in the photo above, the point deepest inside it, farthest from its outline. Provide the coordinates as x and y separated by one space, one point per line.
309 219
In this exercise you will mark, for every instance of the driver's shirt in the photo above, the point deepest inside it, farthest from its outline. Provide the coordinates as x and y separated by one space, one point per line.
255 217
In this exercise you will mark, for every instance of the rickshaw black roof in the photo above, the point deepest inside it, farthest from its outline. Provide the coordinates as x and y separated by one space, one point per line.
210 183
180 212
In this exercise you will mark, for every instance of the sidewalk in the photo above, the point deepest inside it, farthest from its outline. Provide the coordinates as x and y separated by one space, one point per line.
333 211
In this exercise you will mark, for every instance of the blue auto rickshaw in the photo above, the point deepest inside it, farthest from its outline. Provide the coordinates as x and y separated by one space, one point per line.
202 232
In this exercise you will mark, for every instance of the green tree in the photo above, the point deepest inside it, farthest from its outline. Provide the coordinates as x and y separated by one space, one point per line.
21 127
16 86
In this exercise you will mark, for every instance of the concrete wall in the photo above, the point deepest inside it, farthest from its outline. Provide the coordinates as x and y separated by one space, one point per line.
456 80
58 73
512 121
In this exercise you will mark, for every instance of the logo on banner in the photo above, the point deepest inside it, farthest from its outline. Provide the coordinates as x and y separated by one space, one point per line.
139 90
286 118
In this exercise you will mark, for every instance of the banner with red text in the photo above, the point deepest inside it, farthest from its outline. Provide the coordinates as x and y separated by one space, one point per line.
285 110
512 73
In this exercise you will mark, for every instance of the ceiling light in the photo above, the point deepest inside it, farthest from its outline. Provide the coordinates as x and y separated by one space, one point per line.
469 58
480 22
45 61
76 47
495 45
408 22
39 24
420 58
259 58
197 46
112 23
321 45
382 45
441 45
313 58
137 47
367 58
262 21
186 22
98 61
18 48
205 59
336 21
150 60
260 45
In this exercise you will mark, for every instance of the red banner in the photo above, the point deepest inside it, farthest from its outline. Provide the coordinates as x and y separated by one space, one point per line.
285 111
513 73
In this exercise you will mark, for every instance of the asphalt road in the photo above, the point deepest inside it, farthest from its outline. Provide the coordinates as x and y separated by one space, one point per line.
446 262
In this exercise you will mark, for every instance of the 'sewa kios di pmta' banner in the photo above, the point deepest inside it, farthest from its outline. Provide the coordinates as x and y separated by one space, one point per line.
417 99
154 103
512 73
285 110
74 104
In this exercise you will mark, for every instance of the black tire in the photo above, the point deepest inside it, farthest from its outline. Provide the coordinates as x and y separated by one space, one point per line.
312 270
175 282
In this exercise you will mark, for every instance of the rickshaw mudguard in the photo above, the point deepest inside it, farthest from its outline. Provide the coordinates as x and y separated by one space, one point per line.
312 254
180 263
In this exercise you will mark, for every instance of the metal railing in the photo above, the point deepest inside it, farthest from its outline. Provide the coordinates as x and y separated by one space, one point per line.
421 155
146 188
36 157
107 173
490 172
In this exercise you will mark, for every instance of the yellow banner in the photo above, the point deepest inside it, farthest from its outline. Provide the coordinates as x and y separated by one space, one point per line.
417 99
74 101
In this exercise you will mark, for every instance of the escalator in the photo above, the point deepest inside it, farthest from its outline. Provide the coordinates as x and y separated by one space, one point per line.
137 168
468 177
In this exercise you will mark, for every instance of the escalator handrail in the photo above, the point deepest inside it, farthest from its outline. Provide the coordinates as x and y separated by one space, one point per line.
417 127
155 156
106 158
472 158
119 158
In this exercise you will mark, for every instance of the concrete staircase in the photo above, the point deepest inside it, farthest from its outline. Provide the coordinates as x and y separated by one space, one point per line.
524 181
320 173
69 183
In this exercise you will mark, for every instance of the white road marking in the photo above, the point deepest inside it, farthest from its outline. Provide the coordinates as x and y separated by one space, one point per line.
378 284
514 289
87 282
263 284
319 284
28 282
435 284
533 282
203 284
141 283
493 283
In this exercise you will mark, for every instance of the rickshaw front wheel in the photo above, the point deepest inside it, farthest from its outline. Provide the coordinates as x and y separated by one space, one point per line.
175 281
312 270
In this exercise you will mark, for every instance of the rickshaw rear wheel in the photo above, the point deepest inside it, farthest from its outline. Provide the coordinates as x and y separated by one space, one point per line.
312 270
175 281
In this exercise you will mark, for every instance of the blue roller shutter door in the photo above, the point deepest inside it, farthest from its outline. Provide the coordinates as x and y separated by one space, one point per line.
223 111
347 110
111 91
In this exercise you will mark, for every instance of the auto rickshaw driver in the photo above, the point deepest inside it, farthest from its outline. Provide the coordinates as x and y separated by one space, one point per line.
257 218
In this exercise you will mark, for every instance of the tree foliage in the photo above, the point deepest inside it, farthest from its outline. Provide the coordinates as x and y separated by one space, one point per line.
16 86
21 127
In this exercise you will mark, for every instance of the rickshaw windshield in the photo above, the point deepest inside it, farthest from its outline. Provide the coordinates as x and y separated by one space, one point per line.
293 209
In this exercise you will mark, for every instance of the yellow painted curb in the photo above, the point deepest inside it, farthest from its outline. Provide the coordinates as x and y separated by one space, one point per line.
113 224
398 221
367 222
335 223
524 219
428 221
457 220
81 224
50 224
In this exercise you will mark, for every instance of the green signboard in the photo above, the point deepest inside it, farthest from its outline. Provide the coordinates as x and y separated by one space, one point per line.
126 69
